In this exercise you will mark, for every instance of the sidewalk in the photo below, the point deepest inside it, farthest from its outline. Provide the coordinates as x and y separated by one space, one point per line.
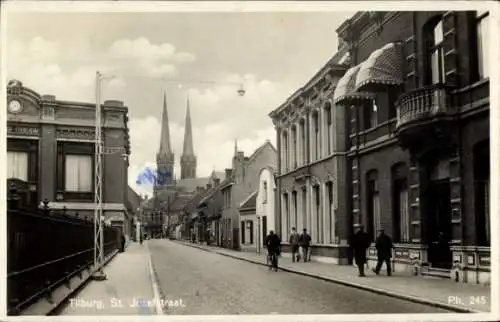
130 288
457 297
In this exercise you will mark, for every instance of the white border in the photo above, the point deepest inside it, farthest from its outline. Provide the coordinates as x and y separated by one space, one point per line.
260 6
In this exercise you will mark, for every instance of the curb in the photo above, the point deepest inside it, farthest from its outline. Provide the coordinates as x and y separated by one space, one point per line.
349 284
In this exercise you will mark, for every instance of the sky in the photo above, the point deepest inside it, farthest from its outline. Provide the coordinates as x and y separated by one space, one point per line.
271 54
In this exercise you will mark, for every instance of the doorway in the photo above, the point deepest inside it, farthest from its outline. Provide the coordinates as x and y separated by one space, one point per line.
439 225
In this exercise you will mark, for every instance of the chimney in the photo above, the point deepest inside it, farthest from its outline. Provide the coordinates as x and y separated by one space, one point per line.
241 155
216 181
209 186
229 173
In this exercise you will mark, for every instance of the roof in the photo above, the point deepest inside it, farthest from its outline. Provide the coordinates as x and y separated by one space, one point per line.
193 202
134 200
250 202
259 149
179 203
192 183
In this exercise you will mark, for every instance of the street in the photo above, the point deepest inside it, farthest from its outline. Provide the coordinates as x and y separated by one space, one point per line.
212 284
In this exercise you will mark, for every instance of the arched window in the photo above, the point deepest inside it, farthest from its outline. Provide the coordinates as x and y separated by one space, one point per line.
329 128
372 204
434 51
286 151
303 142
400 210
316 134
294 147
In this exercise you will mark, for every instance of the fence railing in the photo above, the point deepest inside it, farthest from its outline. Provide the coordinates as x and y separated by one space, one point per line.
45 250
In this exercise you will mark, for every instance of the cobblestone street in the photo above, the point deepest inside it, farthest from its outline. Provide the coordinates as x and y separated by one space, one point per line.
209 283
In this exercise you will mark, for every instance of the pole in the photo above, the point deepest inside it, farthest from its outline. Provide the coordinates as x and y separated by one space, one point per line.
98 216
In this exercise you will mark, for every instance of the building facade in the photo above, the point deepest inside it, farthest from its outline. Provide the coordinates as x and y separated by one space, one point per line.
312 170
417 97
241 181
265 206
51 147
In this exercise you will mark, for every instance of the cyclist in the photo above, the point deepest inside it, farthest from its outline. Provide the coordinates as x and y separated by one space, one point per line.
273 243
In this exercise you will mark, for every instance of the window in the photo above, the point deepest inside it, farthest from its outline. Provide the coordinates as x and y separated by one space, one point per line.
483 34
373 204
436 54
304 208
264 197
402 234
373 114
329 126
294 147
316 137
295 210
227 198
285 150
331 222
319 217
17 165
243 230
78 173
303 141
376 213
286 218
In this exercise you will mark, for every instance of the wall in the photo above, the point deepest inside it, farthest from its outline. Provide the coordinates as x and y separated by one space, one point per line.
268 208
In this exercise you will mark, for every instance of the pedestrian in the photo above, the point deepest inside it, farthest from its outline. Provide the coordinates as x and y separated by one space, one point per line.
273 244
141 238
383 244
359 244
305 242
294 243
122 243
207 236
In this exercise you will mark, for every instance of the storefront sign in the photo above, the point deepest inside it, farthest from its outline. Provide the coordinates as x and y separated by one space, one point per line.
23 130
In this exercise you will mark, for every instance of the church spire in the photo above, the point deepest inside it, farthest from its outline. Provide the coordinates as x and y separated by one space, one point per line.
188 159
165 146
188 134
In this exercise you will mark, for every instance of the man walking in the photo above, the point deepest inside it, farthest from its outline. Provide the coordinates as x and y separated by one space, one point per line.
305 242
360 242
294 243
384 254
273 243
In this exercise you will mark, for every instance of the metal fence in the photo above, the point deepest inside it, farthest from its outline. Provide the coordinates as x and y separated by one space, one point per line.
45 249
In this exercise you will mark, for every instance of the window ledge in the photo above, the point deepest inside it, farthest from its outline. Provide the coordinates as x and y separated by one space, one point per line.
471 86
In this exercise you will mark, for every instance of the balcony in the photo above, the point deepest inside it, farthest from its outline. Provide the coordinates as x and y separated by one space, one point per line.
424 113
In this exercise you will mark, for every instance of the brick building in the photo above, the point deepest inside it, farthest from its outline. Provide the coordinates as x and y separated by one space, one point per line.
417 96
240 182
312 164
50 147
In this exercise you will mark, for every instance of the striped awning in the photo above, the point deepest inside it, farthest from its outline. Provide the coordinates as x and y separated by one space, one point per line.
346 87
383 67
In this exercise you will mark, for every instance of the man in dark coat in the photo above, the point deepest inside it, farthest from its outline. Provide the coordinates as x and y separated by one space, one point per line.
384 254
305 242
273 244
294 243
360 242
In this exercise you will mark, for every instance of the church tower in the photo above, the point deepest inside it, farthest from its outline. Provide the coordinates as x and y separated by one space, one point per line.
188 159
165 157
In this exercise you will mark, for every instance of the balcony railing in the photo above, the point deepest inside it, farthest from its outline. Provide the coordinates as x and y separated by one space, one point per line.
422 103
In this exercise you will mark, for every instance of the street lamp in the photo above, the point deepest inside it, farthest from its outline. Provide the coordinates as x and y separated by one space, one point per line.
100 150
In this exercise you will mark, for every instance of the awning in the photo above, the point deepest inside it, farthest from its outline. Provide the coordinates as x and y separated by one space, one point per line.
346 87
383 67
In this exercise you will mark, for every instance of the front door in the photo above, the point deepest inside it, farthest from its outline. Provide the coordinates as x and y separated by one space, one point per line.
439 224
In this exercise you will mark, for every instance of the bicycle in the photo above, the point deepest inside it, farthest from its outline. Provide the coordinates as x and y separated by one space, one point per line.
272 258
